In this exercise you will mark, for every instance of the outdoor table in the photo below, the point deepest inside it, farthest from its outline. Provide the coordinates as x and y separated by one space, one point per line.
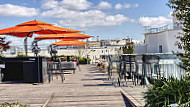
69 66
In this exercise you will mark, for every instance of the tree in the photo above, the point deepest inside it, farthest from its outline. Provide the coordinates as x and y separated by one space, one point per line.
181 11
4 45
128 49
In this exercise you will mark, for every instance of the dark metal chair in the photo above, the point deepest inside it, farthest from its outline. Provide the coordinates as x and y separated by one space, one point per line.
55 66
125 70
148 64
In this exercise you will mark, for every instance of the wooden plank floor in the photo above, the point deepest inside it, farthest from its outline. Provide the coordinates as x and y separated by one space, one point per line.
91 90
86 88
134 93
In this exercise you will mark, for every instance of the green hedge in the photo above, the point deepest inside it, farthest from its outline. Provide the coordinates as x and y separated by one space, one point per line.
81 59
21 55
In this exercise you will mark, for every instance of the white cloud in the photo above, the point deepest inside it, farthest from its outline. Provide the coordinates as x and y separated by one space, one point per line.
76 4
72 13
104 5
126 6
18 11
87 18
154 21
136 5
48 4
118 6
97 21
67 4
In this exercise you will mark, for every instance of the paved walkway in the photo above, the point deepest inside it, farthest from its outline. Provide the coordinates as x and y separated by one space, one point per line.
86 88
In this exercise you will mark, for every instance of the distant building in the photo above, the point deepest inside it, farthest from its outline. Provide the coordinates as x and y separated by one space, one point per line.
123 41
114 42
105 43
94 44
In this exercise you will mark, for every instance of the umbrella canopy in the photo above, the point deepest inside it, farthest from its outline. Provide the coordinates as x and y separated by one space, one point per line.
63 36
23 31
27 29
34 22
69 43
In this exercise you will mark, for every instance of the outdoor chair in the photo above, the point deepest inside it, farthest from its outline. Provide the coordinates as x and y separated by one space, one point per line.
144 66
138 68
55 68
120 70
126 67
113 60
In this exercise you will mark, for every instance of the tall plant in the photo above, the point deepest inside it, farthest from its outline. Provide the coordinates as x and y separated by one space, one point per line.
164 92
4 45
181 10
129 49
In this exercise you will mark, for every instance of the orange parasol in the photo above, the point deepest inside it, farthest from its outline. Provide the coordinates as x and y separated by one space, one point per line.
34 22
27 29
69 43
63 36
23 31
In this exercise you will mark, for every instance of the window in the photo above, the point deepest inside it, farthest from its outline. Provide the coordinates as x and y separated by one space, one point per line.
160 48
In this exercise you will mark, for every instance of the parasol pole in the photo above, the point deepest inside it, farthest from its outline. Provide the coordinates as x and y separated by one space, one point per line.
25 44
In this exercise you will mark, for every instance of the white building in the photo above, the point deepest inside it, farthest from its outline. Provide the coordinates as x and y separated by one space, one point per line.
160 40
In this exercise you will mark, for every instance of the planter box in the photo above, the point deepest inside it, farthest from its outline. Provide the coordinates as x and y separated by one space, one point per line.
84 62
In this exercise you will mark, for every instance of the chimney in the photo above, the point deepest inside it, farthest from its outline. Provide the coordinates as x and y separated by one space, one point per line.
98 39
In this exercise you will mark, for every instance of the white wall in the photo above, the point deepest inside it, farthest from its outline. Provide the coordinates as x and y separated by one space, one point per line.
172 40
140 49
166 39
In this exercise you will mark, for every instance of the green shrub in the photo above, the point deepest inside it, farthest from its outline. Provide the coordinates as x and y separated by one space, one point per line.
17 104
1 55
21 55
129 49
171 91
82 59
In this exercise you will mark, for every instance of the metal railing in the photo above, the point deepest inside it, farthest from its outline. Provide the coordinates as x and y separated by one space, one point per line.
159 29
144 68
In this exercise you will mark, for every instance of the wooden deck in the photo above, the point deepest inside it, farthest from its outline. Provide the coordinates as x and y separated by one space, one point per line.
86 88
135 94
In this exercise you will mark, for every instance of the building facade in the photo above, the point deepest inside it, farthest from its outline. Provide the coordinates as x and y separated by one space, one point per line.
160 40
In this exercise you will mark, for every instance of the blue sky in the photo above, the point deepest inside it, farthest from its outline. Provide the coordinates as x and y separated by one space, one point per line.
109 19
